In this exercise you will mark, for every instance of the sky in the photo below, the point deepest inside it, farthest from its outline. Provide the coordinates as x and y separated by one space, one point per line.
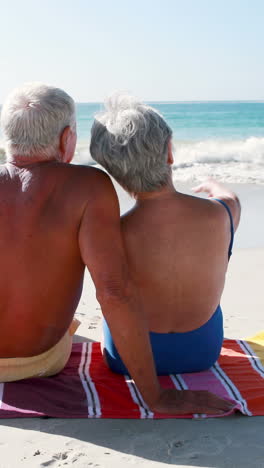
159 50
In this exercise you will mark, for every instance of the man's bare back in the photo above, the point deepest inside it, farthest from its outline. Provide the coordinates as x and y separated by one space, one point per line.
177 248
41 208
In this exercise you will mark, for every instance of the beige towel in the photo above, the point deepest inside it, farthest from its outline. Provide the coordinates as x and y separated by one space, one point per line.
43 365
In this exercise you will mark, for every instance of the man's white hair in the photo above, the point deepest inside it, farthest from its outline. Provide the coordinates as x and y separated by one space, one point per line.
32 119
130 140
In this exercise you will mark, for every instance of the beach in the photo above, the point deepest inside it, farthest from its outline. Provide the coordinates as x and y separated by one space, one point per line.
198 64
231 442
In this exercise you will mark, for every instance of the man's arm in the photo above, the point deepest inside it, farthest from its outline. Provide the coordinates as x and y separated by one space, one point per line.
103 252
216 190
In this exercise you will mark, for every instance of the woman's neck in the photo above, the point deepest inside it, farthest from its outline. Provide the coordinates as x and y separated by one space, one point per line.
162 193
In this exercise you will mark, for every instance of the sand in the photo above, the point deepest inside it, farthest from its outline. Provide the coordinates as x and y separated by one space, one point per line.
236 441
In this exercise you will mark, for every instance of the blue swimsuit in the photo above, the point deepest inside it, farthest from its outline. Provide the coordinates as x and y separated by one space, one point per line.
176 353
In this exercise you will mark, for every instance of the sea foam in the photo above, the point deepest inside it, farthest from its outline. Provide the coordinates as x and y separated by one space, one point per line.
238 161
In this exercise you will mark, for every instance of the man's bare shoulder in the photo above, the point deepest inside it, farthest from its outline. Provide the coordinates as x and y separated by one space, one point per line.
95 181
82 172
70 180
93 188
86 179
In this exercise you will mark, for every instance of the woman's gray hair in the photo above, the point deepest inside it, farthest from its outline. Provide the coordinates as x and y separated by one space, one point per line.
33 118
130 140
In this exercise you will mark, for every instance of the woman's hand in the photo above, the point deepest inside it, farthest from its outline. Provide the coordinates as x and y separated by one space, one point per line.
174 401
212 188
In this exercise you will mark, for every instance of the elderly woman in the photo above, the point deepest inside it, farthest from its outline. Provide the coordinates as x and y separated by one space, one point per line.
178 246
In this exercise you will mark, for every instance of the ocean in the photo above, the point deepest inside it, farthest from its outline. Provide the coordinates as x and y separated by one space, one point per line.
219 139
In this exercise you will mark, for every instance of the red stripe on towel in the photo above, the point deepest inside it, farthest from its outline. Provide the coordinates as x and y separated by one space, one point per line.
112 389
237 366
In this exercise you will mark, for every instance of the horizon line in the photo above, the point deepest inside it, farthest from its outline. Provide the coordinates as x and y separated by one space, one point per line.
195 101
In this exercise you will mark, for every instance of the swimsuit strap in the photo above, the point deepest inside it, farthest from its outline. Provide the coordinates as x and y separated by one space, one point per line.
231 225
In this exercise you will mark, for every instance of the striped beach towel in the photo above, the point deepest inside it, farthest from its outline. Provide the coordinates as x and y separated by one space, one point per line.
86 388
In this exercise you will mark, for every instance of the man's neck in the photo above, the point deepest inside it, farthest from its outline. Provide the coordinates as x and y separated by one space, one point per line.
26 161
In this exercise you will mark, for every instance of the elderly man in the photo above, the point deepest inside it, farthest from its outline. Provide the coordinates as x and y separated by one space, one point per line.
55 219
177 245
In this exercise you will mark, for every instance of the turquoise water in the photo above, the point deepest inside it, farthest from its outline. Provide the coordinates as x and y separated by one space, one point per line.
196 121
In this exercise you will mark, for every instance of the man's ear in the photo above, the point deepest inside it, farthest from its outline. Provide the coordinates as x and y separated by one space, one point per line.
64 144
170 159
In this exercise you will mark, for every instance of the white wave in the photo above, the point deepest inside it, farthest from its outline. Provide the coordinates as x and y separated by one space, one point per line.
240 161
219 151
242 173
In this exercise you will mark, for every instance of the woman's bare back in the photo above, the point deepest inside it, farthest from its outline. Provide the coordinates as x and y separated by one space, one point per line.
177 249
